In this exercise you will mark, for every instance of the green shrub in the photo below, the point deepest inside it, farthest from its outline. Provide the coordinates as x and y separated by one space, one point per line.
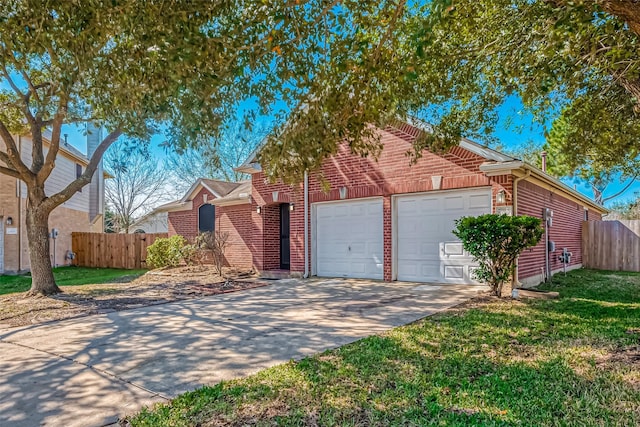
191 254
167 252
496 241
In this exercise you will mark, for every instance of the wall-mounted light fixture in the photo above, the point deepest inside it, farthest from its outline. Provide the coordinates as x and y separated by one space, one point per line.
274 196
259 210
343 192
291 207
9 221
501 197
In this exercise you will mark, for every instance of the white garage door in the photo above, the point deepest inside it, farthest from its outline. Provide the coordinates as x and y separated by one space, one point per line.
427 250
348 239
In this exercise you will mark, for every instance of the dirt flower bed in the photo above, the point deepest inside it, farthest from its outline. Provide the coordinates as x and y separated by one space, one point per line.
155 287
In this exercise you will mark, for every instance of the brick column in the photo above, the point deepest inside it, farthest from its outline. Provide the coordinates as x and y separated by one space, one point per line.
387 237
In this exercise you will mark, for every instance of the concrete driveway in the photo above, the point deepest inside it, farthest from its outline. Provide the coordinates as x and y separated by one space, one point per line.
91 370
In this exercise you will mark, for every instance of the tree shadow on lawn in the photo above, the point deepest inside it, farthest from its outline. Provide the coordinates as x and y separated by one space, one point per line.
486 369
509 363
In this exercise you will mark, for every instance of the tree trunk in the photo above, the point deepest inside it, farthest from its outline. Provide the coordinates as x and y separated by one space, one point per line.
42 280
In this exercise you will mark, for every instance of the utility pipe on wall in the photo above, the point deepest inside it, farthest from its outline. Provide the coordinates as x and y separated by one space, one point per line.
20 212
306 224
516 181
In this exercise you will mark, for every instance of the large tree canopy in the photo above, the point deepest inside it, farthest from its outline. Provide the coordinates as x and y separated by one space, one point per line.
453 63
337 67
132 65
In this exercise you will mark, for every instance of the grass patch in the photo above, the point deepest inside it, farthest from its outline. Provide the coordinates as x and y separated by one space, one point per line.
70 276
571 361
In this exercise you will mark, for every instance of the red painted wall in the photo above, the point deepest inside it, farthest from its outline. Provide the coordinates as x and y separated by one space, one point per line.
566 230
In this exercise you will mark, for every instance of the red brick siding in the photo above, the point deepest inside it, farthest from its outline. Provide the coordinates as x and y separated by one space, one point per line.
392 173
566 230
237 220
185 223
268 231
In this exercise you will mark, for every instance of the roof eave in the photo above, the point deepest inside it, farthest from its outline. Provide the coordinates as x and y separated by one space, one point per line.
515 167
249 168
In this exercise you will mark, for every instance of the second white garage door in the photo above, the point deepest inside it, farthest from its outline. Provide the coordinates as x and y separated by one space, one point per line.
348 239
427 250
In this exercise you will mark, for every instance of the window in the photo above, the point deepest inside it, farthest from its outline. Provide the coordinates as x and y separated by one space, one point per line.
206 218
79 173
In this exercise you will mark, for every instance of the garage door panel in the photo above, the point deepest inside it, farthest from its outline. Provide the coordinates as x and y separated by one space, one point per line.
453 272
453 203
453 249
427 250
349 239
479 202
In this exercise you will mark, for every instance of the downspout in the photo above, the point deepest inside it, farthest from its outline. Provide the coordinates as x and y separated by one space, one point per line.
19 212
306 225
515 281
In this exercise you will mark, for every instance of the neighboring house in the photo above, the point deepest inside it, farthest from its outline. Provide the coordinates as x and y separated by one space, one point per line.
156 221
83 212
385 219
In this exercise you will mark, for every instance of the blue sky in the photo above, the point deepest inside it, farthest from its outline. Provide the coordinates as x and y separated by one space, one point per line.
516 127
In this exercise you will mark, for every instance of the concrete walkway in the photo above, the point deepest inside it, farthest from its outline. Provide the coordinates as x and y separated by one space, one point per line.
91 370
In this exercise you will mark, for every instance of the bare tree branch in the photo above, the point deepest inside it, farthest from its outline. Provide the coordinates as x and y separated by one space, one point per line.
14 155
57 199
24 97
56 128
11 172
626 187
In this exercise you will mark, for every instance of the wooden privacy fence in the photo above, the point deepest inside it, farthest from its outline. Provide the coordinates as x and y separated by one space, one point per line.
112 250
611 245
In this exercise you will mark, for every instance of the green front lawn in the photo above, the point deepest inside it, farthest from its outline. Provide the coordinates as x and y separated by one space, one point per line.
571 361
69 276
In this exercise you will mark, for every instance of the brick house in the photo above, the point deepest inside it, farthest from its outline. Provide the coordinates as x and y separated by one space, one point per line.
386 219
83 212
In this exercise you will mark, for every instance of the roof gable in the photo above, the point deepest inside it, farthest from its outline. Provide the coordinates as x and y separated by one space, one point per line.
216 187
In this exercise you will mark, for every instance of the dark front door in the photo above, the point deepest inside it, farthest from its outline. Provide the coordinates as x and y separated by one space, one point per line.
285 253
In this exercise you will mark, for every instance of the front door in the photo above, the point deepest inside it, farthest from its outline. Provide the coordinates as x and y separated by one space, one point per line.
285 252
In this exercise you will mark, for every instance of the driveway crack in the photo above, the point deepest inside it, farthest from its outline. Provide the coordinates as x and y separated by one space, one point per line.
91 367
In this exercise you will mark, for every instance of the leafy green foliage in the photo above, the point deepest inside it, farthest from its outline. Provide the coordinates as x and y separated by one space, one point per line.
453 64
601 163
169 252
629 209
493 363
138 66
562 158
496 241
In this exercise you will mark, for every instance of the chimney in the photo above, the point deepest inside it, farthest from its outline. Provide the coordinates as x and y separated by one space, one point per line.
94 137
544 161
96 187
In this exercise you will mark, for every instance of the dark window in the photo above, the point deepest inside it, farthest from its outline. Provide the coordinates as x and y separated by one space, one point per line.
206 218
79 173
